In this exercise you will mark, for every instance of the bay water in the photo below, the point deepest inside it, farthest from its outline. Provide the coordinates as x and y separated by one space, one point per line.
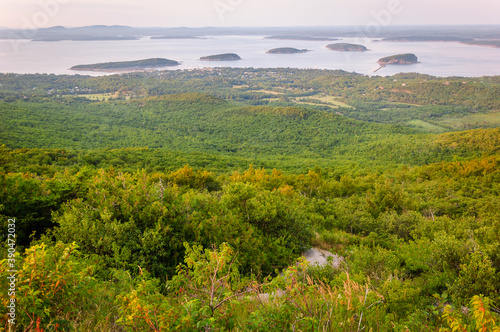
435 58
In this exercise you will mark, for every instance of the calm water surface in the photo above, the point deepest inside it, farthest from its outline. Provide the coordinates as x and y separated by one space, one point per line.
436 58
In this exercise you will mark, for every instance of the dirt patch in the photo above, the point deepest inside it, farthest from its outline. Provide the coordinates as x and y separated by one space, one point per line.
320 257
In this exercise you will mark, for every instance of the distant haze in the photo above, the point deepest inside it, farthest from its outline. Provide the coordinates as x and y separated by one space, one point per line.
197 13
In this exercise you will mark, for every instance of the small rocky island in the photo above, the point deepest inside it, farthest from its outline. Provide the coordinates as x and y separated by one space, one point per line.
286 50
399 59
127 65
221 57
346 47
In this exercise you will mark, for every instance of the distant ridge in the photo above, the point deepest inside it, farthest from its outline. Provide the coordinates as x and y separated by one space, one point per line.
296 37
290 33
176 37
490 43
425 39
83 38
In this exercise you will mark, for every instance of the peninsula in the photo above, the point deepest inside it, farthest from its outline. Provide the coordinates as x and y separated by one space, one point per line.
399 59
127 65
221 57
286 50
485 42
346 47
425 39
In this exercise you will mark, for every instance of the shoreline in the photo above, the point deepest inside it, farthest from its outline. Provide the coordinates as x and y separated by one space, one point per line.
121 71
484 45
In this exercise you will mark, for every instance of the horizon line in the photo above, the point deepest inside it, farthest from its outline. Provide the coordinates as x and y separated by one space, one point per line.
259 27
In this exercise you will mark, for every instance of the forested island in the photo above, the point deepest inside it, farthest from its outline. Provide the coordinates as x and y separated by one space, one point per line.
286 50
184 200
127 65
221 57
346 47
297 37
399 59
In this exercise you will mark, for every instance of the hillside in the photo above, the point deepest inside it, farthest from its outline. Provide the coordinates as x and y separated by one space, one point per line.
184 200
419 101
198 122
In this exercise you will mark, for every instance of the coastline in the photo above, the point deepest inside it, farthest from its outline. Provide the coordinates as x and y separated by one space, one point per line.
121 71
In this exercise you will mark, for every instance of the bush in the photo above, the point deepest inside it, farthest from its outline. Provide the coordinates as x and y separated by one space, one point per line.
55 290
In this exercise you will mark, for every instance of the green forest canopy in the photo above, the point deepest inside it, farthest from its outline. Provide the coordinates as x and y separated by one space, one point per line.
127 189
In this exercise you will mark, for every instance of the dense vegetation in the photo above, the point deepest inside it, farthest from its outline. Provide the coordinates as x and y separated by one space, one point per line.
123 65
182 201
198 122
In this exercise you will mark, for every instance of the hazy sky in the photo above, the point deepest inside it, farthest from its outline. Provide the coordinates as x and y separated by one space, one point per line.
196 13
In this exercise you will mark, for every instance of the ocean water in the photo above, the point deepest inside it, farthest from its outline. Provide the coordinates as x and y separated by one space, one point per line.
435 58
